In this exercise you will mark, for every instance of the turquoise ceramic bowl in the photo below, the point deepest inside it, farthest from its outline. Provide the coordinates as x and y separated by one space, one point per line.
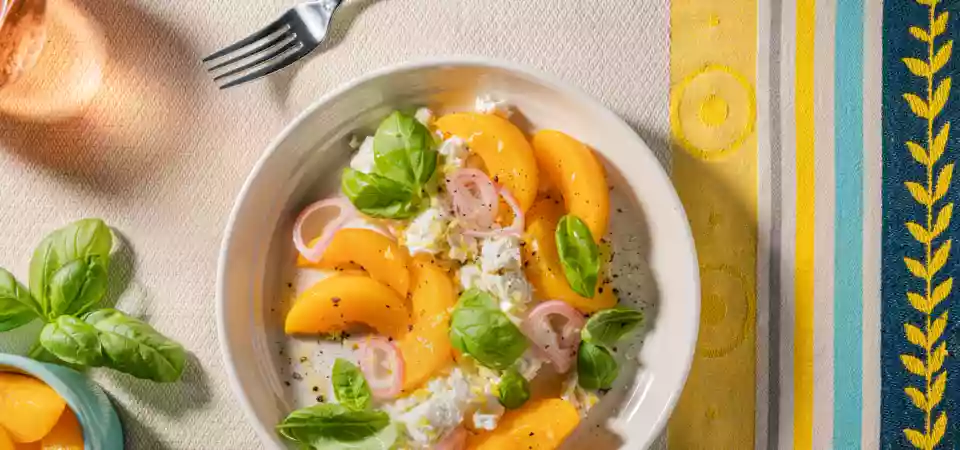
101 427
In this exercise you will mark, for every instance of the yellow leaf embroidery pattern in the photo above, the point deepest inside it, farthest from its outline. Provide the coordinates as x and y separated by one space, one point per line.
915 267
917 397
918 439
940 97
913 364
917 67
943 181
939 25
918 302
939 144
932 350
919 153
942 56
915 335
919 232
943 220
936 390
919 193
939 259
939 294
917 105
939 325
939 429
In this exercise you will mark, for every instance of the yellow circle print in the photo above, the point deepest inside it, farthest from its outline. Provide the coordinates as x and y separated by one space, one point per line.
713 111
726 310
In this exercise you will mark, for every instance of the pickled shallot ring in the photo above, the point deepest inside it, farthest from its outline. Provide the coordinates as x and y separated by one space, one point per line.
314 252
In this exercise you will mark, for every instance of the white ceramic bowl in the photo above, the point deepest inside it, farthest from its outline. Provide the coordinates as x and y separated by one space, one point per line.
303 165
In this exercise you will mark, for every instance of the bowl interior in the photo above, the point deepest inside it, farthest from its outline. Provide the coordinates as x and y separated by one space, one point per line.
303 165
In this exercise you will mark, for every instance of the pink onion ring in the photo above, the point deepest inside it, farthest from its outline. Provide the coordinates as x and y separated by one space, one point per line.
559 348
475 199
382 366
456 439
315 252
515 229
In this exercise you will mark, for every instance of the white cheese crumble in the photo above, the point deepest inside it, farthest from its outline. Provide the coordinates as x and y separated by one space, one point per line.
424 116
454 152
427 232
487 105
430 413
500 253
363 161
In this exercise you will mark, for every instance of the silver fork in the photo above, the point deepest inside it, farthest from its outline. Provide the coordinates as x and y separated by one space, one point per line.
285 41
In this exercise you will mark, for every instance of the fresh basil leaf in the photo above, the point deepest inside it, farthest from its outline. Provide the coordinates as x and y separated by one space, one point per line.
331 422
610 325
17 306
378 196
596 367
350 387
513 390
404 150
77 286
479 329
383 440
133 347
72 340
475 298
79 240
579 254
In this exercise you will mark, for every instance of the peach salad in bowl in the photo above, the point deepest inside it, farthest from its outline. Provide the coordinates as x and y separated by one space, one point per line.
466 268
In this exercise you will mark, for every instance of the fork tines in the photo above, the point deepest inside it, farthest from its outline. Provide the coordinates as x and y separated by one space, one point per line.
260 54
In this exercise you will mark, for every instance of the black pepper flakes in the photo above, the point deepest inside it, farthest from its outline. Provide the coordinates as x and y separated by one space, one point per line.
335 300
303 359
320 399
531 433
297 376
620 210
316 389
287 383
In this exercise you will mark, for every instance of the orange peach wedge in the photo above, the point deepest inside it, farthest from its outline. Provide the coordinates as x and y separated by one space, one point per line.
377 254
571 167
542 262
66 435
336 303
426 348
539 424
28 407
502 146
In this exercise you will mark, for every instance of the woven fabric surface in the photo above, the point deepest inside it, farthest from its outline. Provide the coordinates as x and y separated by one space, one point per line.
160 153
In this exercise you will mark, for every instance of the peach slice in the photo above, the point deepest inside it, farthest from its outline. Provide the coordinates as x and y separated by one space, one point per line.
504 149
542 263
380 256
335 303
65 435
28 407
6 442
426 348
539 424
573 168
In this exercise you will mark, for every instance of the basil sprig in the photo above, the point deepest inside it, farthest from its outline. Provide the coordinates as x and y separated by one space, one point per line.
579 255
350 387
405 159
68 278
351 424
610 325
513 390
596 366
478 328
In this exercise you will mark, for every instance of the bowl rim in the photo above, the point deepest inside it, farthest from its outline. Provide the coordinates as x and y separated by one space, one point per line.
41 371
462 61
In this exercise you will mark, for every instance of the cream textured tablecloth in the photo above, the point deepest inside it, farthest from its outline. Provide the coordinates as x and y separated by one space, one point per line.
160 153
